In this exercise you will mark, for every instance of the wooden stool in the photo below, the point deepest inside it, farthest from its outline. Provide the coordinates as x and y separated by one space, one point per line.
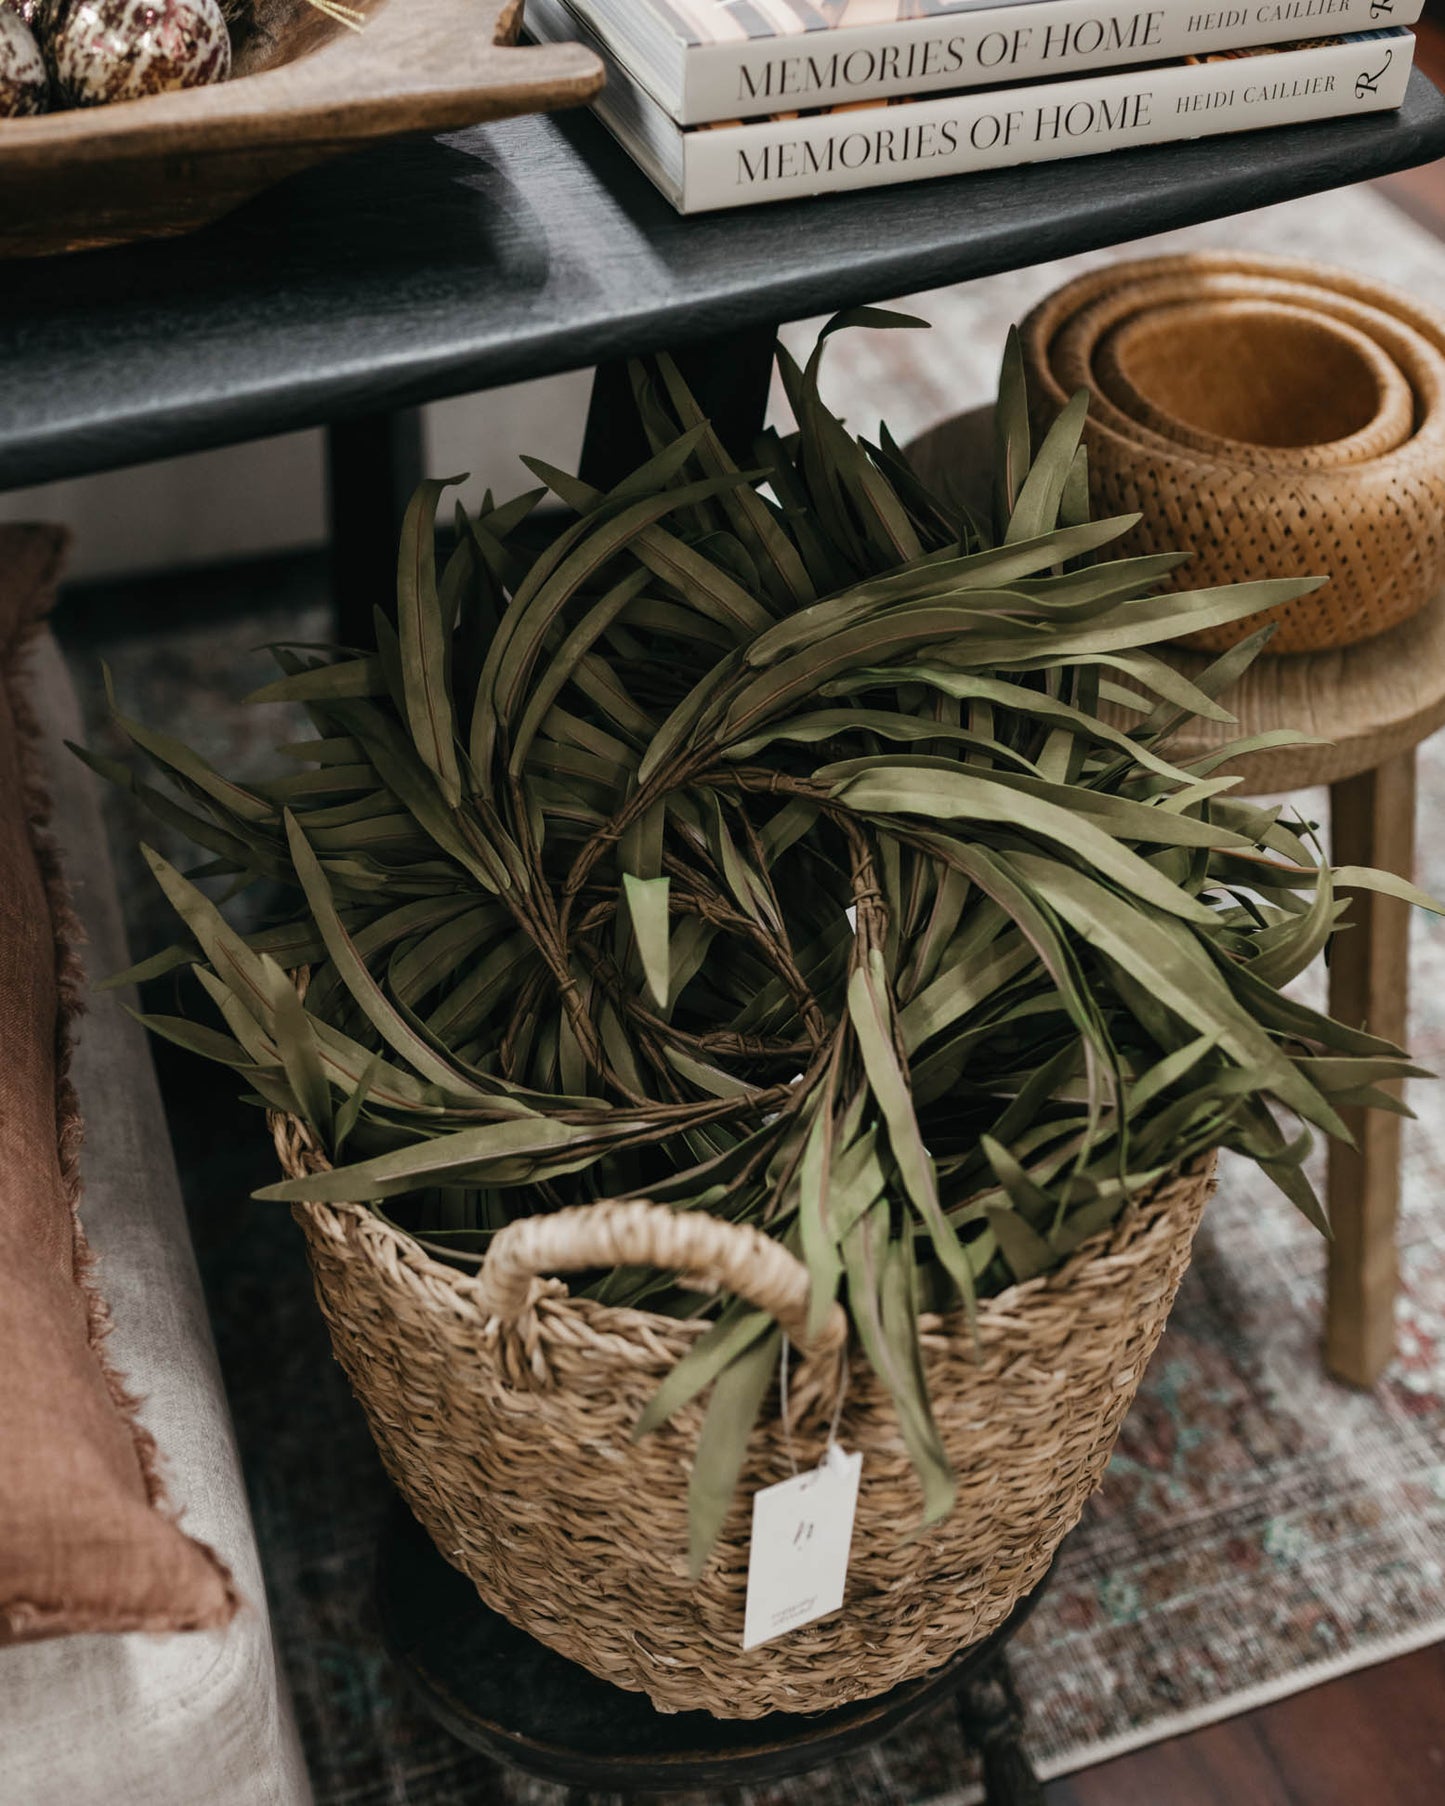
1373 703
508 1696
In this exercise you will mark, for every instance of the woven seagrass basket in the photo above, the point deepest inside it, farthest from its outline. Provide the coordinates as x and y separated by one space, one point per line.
1273 416
504 1411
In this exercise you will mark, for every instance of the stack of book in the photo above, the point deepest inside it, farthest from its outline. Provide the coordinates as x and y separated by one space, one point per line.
727 102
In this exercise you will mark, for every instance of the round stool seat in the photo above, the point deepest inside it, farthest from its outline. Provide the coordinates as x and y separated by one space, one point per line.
498 1690
1366 703
1370 701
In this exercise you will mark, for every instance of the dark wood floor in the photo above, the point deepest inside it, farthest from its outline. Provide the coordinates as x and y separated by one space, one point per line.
1374 1738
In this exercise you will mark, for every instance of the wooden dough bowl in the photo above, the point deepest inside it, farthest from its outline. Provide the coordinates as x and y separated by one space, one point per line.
304 88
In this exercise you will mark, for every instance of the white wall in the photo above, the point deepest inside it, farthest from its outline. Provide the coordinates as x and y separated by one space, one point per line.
268 495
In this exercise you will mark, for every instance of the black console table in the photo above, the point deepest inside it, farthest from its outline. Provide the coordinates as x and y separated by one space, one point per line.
432 267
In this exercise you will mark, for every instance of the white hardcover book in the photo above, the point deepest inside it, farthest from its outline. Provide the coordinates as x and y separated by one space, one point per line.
709 167
706 60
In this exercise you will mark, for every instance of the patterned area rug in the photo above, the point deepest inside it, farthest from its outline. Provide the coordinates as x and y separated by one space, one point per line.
1261 1527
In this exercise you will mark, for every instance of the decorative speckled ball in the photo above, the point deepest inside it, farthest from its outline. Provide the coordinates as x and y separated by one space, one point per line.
35 13
104 50
24 80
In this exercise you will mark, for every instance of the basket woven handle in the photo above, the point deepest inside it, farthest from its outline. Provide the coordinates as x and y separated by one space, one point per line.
733 1256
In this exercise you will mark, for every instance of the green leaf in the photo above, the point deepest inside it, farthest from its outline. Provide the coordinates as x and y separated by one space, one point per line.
1286 957
358 980
240 854
166 750
565 661
722 1444
538 605
1041 494
232 960
647 906
326 683
169 959
416 970
1024 1250
733 1334
869 1015
196 1038
352 1106
960 796
467 1154
710 1079
684 719
1012 443
423 634
750 516
819 1240
1387 884
1177 974
869 1261
961 987
466 1007
300 1053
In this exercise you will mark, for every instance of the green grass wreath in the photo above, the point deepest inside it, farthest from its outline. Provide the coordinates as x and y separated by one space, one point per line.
754 843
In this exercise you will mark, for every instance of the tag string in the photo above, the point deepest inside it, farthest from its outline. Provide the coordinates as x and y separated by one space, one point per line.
842 1395
785 1409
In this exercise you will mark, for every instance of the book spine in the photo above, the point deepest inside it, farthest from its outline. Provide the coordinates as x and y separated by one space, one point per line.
781 159
987 48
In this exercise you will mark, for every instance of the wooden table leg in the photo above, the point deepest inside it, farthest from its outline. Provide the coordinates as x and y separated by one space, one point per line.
730 377
1372 822
373 463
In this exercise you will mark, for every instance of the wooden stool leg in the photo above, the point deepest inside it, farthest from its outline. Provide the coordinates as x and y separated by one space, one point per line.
1372 822
991 1717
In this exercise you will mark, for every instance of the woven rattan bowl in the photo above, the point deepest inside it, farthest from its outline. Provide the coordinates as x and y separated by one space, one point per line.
1268 383
1363 505
504 1411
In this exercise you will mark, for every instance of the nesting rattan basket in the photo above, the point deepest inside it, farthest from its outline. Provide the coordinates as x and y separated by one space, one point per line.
504 1410
1275 417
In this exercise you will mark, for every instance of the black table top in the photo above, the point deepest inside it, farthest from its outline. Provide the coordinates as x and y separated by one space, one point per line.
431 267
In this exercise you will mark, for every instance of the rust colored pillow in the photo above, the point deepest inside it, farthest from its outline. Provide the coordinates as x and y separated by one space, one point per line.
87 1542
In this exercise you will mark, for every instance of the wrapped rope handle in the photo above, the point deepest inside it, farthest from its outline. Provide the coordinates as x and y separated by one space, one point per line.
702 1248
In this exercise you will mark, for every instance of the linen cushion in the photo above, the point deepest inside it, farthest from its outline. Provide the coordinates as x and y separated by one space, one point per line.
87 1539
204 1718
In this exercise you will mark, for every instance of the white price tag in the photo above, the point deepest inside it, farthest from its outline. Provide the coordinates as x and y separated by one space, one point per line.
798 1559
